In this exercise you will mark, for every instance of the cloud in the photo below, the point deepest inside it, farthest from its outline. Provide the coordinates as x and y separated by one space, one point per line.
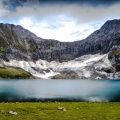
3 11
65 31
81 2
82 13
63 21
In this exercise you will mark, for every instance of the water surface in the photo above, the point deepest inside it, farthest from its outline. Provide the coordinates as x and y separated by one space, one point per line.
59 90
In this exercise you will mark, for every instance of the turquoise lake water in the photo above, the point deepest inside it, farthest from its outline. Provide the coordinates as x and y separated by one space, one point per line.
59 90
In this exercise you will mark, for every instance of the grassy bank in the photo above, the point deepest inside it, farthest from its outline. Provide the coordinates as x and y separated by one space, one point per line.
11 72
48 111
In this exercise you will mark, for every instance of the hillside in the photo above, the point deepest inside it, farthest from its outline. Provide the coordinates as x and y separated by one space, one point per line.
13 72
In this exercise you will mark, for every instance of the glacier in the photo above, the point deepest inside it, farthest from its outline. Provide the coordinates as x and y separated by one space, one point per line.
87 66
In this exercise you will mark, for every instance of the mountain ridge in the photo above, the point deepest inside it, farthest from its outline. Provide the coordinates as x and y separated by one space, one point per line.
21 44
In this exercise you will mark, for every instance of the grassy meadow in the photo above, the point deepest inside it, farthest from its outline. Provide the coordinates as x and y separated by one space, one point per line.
49 111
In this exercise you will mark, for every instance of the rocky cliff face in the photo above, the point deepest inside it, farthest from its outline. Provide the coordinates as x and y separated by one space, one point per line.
20 44
13 41
114 57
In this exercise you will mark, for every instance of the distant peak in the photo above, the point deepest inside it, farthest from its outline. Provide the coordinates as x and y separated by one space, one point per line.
111 23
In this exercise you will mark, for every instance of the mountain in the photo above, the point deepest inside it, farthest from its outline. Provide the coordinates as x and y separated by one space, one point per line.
20 44
20 47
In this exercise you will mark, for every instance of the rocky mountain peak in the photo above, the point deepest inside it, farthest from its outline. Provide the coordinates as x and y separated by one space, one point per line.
17 29
111 26
111 29
111 23
24 33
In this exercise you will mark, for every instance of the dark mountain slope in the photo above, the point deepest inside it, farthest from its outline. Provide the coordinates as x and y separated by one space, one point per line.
101 40
19 43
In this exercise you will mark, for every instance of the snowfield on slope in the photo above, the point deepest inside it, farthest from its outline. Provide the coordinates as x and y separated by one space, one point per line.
84 66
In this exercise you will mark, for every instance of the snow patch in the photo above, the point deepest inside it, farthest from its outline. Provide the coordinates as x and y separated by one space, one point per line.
85 66
37 69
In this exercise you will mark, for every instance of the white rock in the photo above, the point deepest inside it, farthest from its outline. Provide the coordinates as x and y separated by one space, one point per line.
62 108
12 113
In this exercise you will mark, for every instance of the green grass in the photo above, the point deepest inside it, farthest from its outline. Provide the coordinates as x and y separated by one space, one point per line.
11 72
48 111
21 47
3 45
32 49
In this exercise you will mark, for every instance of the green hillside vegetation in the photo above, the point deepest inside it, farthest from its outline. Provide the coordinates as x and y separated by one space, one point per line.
3 45
20 47
49 111
11 72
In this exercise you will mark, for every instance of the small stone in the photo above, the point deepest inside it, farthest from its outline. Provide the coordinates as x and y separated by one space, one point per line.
12 113
62 108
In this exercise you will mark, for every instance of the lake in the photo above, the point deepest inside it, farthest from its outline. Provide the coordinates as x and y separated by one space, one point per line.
21 90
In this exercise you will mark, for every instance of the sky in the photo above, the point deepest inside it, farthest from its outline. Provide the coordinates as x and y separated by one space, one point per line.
63 20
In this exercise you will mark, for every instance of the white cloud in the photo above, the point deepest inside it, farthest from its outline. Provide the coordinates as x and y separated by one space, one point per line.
26 22
68 31
62 22
3 11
